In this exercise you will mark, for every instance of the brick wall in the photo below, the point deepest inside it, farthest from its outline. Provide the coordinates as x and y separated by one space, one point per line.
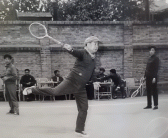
112 59
123 46
76 34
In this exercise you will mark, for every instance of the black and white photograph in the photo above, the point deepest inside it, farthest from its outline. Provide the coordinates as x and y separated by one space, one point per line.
83 68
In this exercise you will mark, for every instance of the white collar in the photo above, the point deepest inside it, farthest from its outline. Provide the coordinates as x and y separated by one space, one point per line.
92 55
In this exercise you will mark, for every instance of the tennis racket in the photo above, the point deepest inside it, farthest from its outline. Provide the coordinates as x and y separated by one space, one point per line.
39 31
138 90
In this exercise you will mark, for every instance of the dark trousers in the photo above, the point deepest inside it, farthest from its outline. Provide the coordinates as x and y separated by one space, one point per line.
114 93
82 105
70 86
10 89
90 91
151 90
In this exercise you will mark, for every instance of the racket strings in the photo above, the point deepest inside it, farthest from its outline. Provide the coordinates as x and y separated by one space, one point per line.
135 93
38 31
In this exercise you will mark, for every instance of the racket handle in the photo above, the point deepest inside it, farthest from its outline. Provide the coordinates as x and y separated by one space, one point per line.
56 41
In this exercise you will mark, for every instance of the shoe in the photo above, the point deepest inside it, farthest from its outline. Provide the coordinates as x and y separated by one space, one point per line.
114 97
148 107
16 113
81 134
10 112
156 107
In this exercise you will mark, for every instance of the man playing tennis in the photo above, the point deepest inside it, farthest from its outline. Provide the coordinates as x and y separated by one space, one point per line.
75 81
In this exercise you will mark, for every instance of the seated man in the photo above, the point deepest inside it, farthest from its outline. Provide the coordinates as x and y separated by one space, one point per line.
100 74
117 82
28 80
57 77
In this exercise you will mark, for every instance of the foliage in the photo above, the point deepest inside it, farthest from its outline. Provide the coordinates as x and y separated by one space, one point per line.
99 10
76 10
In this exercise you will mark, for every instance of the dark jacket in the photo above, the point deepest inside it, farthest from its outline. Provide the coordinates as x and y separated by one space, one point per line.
27 78
99 76
115 78
84 65
57 78
10 73
152 67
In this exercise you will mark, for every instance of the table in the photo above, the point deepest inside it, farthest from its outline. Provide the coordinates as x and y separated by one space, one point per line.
108 93
46 84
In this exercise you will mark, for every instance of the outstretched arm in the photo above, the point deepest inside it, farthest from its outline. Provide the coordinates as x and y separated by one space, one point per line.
75 53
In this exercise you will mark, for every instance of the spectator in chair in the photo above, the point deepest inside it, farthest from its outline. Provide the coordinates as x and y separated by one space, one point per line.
117 82
28 80
101 74
57 77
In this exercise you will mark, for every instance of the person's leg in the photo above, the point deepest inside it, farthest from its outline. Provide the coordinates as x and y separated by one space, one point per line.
122 91
12 92
82 105
155 95
9 100
70 85
148 89
66 87
114 94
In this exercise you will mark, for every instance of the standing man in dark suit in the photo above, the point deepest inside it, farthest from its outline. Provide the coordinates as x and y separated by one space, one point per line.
151 78
28 80
76 80
9 79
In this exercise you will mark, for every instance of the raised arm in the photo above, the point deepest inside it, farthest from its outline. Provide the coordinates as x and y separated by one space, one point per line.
75 53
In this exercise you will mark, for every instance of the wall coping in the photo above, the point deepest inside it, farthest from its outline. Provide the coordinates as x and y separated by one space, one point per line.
86 22
20 47
146 45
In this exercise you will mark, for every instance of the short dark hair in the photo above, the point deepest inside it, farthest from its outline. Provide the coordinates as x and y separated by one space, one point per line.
113 71
152 47
55 71
27 70
7 56
102 69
